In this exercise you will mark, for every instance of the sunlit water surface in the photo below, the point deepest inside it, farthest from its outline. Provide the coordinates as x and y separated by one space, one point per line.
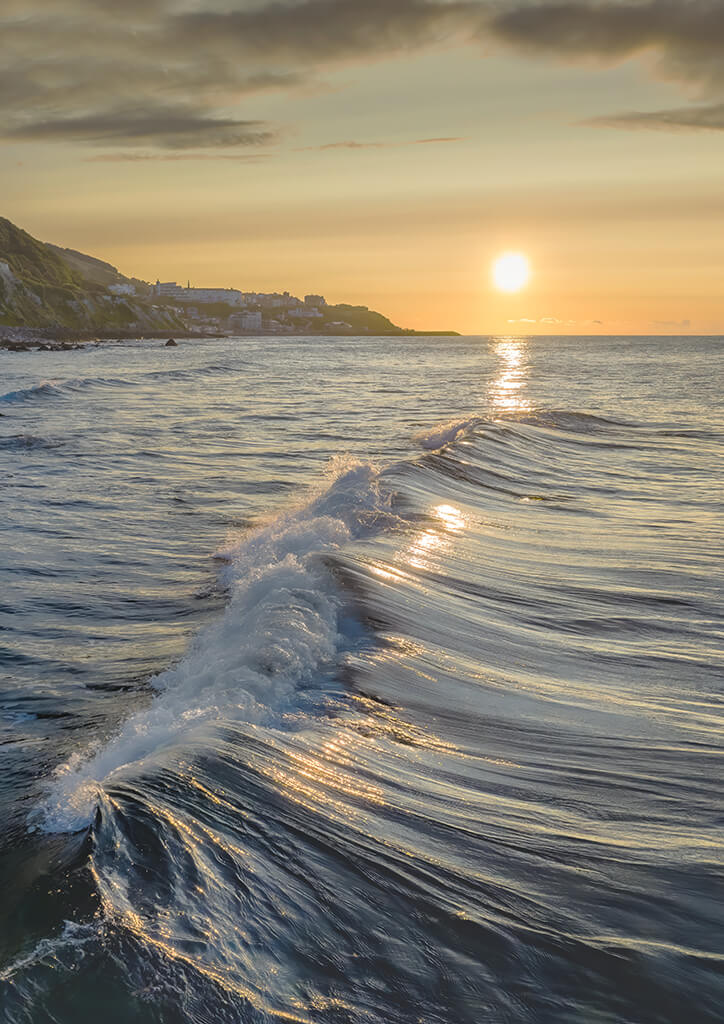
373 681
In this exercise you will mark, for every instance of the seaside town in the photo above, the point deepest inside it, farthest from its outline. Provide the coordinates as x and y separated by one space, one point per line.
231 310
49 293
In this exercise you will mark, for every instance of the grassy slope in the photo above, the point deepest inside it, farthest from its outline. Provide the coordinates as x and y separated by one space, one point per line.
360 319
53 287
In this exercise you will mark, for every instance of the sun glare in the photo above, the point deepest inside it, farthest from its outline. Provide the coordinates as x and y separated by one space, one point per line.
511 272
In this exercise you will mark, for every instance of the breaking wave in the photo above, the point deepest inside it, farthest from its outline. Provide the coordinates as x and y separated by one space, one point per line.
280 631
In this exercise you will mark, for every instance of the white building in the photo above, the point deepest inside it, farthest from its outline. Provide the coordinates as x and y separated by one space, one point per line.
245 321
169 289
231 296
304 313
204 296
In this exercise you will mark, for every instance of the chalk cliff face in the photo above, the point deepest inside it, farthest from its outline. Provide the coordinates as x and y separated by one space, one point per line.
43 285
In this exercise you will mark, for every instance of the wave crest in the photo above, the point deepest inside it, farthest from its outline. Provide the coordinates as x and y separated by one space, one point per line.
278 633
446 433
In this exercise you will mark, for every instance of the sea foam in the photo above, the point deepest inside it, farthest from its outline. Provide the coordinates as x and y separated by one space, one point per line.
278 633
446 433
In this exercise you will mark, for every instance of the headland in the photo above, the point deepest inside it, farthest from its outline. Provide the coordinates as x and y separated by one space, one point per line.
51 297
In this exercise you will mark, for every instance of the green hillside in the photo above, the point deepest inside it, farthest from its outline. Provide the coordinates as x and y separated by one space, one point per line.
44 286
361 319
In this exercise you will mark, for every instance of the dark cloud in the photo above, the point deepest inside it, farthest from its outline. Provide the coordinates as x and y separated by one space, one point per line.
327 30
181 74
172 73
685 37
693 118
165 127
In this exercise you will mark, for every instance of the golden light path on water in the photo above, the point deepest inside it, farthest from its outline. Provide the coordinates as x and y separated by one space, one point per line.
325 773
435 538
505 394
506 391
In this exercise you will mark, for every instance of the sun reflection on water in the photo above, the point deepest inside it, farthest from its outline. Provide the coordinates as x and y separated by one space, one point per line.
451 519
422 545
505 391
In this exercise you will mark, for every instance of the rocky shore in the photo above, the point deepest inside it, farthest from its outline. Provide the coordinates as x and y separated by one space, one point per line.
50 339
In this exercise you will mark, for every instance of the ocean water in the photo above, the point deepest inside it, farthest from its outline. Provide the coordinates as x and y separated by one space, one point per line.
362 681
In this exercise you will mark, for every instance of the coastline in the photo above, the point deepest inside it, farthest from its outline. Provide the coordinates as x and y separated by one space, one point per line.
62 339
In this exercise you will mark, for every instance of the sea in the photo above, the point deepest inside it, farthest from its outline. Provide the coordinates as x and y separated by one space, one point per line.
362 681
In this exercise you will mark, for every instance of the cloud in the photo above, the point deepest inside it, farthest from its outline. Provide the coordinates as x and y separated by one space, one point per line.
354 144
134 157
172 74
685 37
438 141
166 127
181 74
552 321
310 31
693 118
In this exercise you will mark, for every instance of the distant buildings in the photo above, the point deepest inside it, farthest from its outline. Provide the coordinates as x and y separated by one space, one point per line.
266 312
245 321
169 289
270 300
304 313
205 296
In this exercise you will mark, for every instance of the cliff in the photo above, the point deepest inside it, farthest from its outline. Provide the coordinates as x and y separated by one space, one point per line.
44 286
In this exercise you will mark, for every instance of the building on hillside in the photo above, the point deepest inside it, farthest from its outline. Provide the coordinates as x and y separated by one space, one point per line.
272 300
245 321
168 289
304 313
315 300
204 296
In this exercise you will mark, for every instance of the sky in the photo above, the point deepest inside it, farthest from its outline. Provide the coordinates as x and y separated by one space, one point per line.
383 152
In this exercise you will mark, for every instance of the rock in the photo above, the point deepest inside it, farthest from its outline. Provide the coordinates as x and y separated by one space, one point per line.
171 343
15 346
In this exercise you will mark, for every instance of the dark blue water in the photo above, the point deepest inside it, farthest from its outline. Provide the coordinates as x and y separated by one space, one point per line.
373 681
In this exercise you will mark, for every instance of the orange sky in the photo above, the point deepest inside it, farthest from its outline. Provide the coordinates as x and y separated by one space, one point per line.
604 168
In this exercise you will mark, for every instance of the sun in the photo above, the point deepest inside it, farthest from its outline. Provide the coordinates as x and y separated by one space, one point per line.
511 272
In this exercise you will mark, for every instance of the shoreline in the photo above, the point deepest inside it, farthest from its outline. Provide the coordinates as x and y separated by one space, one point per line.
61 339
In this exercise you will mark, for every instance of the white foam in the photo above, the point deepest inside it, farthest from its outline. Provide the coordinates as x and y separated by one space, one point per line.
278 632
445 433
52 952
